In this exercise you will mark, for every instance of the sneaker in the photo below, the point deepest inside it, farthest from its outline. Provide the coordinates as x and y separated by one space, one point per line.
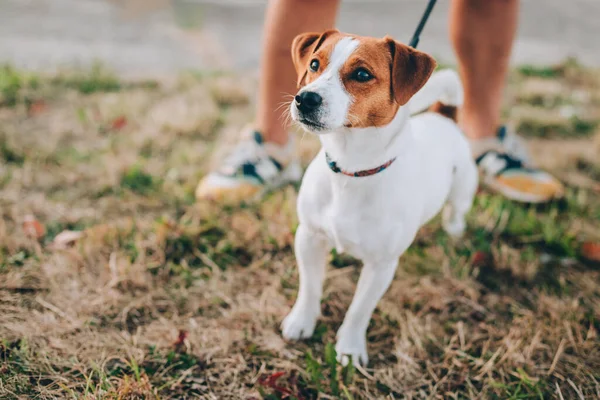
506 169
513 144
252 168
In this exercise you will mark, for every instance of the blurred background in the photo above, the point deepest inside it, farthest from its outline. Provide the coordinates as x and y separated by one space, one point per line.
155 37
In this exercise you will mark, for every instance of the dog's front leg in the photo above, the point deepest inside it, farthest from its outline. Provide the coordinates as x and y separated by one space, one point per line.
311 250
352 336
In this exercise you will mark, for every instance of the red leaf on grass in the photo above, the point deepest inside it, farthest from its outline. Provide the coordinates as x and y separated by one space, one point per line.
33 228
118 123
270 381
181 337
37 107
591 251
480 258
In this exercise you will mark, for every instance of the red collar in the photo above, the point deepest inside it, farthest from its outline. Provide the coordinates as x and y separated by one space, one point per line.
366 172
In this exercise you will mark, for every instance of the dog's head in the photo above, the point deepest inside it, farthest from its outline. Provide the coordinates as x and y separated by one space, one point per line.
352 81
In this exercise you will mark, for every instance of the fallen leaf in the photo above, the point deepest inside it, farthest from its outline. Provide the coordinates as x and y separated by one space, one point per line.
33 228
270 381
66 238
480 259
37 107
181 337
118 123
591 251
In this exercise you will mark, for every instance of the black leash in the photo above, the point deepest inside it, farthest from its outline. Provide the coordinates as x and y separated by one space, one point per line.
415 39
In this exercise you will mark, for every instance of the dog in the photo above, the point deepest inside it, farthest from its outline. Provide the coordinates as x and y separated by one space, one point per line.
381 173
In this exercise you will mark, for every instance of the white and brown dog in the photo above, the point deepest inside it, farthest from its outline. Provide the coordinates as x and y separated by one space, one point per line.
380 175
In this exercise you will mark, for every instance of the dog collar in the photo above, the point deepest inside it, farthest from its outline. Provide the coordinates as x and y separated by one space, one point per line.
366 172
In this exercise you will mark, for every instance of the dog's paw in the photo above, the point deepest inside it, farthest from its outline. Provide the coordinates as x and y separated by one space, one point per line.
455 229
352 346
453 224
299 324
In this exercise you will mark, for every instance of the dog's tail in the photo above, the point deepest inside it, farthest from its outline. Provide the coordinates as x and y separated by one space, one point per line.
443 93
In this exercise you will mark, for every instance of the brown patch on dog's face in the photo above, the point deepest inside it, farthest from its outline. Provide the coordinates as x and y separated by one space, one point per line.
395 73
311 46
373 103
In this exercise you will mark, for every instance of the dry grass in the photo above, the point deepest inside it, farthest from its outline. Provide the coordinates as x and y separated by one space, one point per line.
162 298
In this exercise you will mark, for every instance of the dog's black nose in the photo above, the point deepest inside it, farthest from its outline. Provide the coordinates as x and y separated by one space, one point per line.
308 101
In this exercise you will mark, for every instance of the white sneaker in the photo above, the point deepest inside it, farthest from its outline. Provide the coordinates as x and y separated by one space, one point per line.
504 164
252 168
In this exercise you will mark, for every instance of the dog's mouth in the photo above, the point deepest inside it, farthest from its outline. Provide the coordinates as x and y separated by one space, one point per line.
312 124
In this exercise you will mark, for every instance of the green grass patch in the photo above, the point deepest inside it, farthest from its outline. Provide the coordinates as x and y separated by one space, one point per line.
9 154
570 128
16 259
324 376
590 169
13 83
97 79
188 247
138 181
540 71
521 387
561 70
342 260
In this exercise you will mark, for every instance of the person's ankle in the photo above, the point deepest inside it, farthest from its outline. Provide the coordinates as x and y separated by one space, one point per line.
481 143
276 136
476 128
277 141
481 135
480 146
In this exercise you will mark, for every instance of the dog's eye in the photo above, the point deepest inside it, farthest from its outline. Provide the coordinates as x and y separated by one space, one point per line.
314 65
362 75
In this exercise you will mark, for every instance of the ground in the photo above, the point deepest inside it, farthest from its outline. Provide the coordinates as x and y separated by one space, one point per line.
114 284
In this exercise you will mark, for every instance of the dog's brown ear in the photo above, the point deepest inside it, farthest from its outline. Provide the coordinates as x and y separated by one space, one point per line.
303 46
409 70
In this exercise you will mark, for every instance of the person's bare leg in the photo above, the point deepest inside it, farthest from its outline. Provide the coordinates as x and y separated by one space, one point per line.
285 19
248 170
482 33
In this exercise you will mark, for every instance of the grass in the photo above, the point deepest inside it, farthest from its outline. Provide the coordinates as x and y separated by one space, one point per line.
97 79
569 127
18 87
567 67
138 181
164 298
12 83
8 154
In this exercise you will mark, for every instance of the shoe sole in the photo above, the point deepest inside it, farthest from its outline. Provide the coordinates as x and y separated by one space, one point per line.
521 197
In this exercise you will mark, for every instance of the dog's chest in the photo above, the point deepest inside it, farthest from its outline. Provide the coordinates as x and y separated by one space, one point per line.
356 224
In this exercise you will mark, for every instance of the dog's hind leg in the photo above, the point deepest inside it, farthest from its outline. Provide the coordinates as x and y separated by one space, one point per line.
311 250
460 199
